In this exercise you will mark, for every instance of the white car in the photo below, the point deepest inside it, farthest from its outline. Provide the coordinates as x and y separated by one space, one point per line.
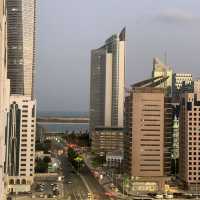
41 196
169 196
159 196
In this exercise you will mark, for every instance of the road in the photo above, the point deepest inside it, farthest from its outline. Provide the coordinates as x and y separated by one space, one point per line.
77 189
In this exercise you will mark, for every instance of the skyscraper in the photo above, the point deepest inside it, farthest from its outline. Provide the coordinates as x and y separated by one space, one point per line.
20 143
107 83
21 45
160 69
4 96
20 137
189 154
107 87
149 135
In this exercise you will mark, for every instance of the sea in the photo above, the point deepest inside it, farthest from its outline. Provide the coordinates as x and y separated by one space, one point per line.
63 127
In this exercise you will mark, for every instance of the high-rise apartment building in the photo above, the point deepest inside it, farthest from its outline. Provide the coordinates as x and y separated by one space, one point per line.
160 69
107 85
21 45
189 161
20 143
4 97
148 138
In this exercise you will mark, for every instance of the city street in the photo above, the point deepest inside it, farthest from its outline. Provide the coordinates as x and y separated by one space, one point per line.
74 186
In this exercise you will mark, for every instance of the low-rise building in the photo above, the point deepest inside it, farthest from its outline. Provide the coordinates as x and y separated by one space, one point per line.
105 140
114 159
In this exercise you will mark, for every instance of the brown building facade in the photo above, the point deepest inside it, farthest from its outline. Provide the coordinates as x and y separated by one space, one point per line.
148 140
189 167
107 139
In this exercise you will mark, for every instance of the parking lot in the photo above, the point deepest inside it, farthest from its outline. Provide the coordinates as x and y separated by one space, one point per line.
50 189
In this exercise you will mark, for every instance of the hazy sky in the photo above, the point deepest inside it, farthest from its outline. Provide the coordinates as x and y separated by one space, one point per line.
68 29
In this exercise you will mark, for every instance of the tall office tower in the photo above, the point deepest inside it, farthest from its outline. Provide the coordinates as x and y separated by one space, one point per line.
4 96
160 69
21 45
107 83
189 170
180 79
20 143
148 138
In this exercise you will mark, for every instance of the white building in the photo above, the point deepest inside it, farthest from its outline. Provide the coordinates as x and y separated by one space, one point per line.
20 151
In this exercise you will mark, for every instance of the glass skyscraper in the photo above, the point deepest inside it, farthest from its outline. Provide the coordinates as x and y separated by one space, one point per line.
107 83
21 45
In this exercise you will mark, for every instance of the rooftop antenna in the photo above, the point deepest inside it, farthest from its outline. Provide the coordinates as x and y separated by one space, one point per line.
165 57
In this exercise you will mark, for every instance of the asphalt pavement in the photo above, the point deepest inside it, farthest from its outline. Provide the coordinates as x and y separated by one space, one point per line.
77 186
74 188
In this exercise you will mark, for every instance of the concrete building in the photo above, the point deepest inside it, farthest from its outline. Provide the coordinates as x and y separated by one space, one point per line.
148 138
108 139
20 143
180 79
21 19
114 159
4 97
189 170
107 83
160 69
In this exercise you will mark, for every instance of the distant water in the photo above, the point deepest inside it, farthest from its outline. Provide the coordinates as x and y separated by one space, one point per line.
62 127
62 114
52 127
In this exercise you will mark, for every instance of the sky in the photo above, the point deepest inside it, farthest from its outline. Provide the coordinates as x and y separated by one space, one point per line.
67 30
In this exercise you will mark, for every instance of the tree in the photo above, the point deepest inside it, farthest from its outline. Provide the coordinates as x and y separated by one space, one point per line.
72 154
41 166
47 159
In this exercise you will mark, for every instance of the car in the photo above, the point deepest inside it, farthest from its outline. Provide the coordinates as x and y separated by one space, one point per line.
169 196
159 196
41 195
41 189
69 182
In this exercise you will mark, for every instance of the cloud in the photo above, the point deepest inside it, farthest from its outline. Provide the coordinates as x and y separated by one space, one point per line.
176 16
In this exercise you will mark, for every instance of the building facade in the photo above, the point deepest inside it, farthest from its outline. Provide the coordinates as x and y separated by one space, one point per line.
4 97
180 79
148 133
107 83
21 20
20 143
160 69
106 140
189 162
107 93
